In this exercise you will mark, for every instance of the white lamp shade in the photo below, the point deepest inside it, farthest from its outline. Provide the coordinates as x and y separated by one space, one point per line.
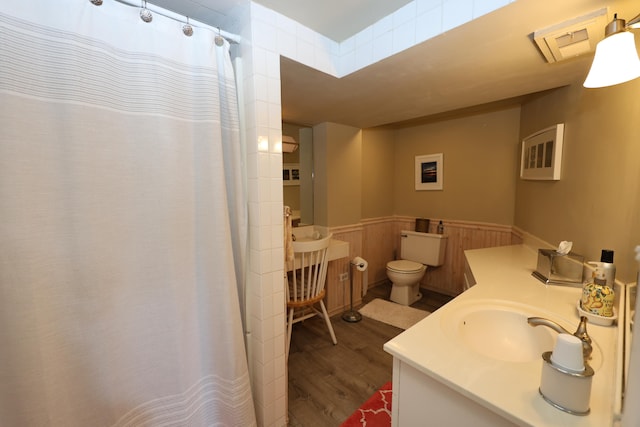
616 61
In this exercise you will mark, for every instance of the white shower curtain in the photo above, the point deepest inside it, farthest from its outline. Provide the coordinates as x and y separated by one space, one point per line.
121 209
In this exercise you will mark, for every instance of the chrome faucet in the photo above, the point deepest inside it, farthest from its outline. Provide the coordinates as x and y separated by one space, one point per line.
581 332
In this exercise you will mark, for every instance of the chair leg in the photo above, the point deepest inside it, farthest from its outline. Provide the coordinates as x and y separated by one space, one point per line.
328 321
289 327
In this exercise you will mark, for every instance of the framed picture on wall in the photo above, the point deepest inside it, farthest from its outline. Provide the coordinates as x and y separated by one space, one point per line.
291 174
429 172
541 157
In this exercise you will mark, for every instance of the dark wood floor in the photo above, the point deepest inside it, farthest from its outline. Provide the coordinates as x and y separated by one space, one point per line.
326 382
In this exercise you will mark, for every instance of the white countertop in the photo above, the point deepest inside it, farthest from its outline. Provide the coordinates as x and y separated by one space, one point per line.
510 388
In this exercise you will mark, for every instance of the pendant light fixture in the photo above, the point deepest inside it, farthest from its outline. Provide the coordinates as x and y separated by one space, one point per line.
616 59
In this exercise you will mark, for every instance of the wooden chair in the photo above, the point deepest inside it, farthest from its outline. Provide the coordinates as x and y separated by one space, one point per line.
306 284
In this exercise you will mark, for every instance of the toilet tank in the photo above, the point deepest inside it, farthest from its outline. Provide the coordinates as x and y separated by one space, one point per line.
425 248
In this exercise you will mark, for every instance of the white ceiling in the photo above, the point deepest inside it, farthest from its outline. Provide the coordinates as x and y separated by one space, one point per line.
489 62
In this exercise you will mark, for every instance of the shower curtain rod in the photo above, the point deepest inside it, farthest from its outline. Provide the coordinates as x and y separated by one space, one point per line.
230 37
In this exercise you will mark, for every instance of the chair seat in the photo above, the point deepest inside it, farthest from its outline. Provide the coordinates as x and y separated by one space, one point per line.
305 286
306 302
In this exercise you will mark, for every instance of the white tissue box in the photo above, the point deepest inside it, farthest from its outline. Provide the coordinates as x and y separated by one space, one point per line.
555 268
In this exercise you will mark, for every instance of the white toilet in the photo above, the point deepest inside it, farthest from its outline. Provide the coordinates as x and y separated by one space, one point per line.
417 251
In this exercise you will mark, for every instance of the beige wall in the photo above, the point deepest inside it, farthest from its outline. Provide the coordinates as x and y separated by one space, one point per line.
378 170
337 151
596 204
480 159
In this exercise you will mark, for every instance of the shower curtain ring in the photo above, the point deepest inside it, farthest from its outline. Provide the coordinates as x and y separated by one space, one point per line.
219 40
187 29
145 14
97 2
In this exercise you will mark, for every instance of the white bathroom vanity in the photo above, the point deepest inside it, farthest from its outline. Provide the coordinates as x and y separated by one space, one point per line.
477 362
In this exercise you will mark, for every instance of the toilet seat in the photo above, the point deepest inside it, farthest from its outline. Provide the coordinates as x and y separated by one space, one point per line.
405 266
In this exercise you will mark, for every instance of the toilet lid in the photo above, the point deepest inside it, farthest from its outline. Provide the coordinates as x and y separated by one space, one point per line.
405 266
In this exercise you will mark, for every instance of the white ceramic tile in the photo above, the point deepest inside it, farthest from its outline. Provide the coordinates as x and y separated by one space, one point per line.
272 60
277 279
383 26
456 13
252 193
429 25
260 87
347 63
279 305
257 349
275 117
423 6
255 307
259 12
325 62
259 58
348 46
262 113
404 36
257 330
276 190
363 37
383 46
286 44
305 53
280 364
264 36
266 281
404 14
275 165
280 386
482 7
277 258
269 410
279 323
262 140
268 350
265 238
364 55
274 91
267 314
276 239
263 165
305 34
254 261
251 166
275 211
285 23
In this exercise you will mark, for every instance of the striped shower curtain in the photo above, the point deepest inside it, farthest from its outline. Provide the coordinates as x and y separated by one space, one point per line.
121 216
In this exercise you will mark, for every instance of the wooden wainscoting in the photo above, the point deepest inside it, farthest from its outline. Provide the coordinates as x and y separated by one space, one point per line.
378 241
337 294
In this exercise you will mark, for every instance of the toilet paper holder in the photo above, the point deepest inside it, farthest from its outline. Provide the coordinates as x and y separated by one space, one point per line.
360 264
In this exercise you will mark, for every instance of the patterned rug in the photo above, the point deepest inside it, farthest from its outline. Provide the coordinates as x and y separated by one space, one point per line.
400 316
375 412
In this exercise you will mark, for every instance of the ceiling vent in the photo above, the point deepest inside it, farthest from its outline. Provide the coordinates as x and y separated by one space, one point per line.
572 38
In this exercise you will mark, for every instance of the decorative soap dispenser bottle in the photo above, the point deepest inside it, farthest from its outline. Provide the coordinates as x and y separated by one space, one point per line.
597 296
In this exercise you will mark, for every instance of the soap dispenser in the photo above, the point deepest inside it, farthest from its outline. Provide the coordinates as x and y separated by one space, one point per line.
597 296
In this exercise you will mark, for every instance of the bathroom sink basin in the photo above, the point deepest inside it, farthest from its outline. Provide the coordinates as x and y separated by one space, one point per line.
499 330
